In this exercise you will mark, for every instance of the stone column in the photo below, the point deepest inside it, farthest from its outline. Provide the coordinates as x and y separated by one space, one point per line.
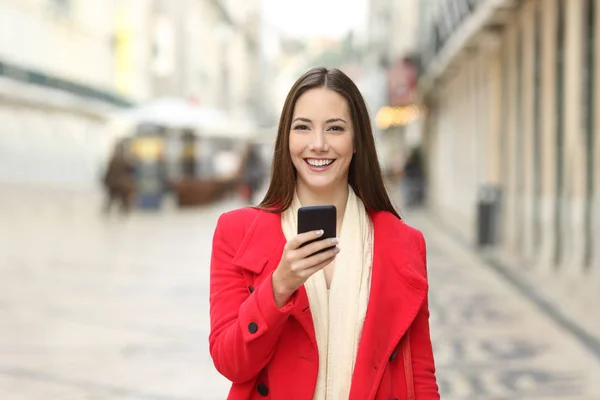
470 145
456 98
510 194
495 117
548 96
527 21
595 266
574 171
441 119
443 178
491 75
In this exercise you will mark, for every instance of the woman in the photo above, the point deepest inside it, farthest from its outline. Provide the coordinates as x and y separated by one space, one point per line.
348 323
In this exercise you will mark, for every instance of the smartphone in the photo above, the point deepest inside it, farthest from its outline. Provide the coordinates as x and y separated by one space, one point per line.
312 218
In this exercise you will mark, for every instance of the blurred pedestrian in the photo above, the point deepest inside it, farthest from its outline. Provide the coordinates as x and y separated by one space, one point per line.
348 323
119 180
253 174
413 180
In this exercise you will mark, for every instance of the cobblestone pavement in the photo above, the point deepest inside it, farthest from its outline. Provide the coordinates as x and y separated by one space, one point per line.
94 308
490 343
116 308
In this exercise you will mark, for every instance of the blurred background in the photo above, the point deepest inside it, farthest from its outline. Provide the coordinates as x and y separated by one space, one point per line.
128 126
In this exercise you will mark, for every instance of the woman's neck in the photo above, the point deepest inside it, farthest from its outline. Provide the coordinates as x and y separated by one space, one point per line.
337 197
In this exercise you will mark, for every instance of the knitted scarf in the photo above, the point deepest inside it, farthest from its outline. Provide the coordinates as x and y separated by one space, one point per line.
338 314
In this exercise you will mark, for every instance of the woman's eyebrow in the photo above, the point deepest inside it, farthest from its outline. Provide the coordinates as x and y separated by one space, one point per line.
302 119
330 120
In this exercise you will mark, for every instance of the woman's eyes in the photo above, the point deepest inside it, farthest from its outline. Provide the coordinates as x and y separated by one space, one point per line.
331 128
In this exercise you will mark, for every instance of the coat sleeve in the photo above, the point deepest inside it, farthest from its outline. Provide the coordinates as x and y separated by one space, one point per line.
425 384
244 326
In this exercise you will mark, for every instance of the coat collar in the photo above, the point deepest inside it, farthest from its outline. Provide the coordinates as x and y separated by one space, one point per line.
398 288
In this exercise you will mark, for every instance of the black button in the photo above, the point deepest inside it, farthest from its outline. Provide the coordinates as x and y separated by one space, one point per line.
263 390
252 327
251 288
394 354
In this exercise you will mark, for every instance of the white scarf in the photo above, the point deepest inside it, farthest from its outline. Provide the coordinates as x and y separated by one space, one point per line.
338 316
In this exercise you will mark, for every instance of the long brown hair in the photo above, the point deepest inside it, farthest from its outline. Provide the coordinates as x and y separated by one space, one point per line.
364 173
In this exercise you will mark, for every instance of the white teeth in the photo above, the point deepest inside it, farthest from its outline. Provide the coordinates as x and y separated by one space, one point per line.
319 163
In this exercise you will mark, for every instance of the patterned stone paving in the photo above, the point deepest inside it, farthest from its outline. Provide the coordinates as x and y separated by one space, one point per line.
104 309
490 343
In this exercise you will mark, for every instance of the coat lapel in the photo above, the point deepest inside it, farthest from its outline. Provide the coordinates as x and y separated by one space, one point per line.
262 240
398 290
260 253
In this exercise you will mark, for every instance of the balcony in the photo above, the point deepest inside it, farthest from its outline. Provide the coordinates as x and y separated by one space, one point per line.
455 27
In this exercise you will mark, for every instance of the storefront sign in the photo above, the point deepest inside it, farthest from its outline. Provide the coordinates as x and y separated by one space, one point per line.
402 83
389 117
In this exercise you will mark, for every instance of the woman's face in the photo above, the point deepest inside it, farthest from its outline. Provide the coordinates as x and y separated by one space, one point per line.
321 140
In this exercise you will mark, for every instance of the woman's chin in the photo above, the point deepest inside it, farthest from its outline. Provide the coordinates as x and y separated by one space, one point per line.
320 184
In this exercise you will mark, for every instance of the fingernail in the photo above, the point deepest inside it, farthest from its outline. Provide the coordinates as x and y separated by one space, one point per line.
335 240
319 232
336 250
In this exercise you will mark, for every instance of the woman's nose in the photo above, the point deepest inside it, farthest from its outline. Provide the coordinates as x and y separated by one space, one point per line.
318 142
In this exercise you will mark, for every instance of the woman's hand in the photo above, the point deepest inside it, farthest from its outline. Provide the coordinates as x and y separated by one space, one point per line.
299 263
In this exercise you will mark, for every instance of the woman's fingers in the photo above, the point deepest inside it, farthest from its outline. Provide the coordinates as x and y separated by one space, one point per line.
310 249
298 240
299 262
307 273
313 261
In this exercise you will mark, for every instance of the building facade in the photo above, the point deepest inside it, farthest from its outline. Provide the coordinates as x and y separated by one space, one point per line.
61 72
65 65
389 79
511 91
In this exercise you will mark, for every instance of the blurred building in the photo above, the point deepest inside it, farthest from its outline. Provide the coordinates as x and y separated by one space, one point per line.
208 51
390 77
65 65
511 88
246 60
59 73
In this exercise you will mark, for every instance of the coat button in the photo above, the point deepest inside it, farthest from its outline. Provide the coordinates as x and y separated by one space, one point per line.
251 288
394 354
252 327
263 390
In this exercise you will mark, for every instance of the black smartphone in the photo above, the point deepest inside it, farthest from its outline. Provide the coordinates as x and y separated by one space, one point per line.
312 218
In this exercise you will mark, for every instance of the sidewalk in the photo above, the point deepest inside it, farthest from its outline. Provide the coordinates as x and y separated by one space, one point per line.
490 340
104 308
570 300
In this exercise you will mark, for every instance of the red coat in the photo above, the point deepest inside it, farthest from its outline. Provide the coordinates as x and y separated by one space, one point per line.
271 353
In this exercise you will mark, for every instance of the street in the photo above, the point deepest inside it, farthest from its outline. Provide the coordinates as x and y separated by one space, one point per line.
95 307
